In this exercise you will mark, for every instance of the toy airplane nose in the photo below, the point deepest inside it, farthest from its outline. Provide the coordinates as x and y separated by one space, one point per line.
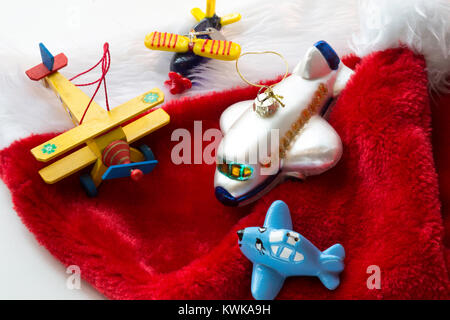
135 170
240 234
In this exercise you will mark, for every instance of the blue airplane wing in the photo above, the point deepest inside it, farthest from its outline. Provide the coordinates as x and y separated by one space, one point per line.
278 216
266 282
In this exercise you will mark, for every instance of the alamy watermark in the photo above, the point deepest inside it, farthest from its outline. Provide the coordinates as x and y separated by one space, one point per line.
374 281
74 280
190 149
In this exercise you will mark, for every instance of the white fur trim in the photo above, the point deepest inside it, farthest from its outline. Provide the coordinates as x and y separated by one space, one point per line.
289 27
79 27
422 25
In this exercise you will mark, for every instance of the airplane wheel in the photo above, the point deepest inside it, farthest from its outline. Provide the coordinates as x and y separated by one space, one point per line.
88 185
147 152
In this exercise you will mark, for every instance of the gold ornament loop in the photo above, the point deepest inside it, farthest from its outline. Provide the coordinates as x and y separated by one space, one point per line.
264 88
261 52
269 94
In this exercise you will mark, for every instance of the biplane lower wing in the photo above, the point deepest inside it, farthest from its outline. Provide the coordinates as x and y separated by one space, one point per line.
124 170
91 129
145 125
68 165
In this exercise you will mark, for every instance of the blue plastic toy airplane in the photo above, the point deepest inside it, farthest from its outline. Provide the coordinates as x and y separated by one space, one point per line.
277 252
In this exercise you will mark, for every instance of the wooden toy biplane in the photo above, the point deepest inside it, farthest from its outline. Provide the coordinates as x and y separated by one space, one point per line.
203 41
106 135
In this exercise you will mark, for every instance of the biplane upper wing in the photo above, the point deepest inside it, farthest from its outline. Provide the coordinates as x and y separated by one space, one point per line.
74 99
167 42
145 125
217 49
68 165
90 129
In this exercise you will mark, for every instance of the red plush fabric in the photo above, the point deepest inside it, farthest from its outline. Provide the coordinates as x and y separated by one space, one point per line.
167 237
440 109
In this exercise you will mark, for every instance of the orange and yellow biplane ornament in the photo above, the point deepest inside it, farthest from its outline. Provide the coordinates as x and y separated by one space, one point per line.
203 41
101 137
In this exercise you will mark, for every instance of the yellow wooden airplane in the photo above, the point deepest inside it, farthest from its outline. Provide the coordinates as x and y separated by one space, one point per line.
203 42
106 135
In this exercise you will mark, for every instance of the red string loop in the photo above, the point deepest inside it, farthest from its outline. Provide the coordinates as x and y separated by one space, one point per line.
105 62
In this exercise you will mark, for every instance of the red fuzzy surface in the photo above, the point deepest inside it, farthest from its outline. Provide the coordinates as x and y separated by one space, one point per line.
167 237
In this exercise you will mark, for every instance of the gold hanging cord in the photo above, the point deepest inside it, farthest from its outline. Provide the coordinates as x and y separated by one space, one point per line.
264 88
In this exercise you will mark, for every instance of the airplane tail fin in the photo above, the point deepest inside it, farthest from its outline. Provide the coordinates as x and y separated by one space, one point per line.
335 250
49 65
319 61
331 261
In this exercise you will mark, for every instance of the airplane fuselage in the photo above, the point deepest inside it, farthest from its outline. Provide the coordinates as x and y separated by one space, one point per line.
278 252
283 250
184 62
246 133
250 130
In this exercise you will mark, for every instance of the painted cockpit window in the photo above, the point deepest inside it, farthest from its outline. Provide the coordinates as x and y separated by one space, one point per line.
293 237
276 236
235 171
274 249
298 257
284 247
286 253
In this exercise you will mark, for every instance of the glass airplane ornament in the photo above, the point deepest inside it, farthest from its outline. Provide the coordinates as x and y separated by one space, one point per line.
277 252
203 41
286 120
